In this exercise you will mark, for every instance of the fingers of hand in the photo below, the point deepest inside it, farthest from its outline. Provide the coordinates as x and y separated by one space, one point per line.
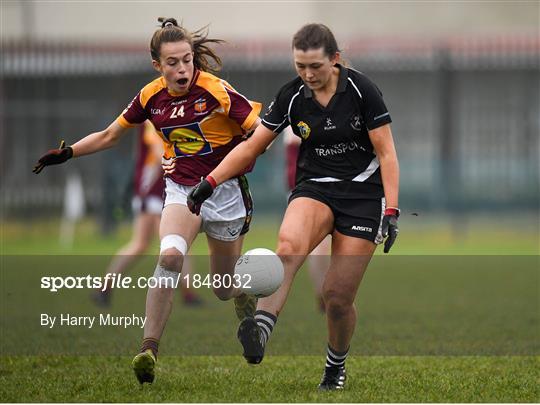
42 162
193 207
384 228
38 168
388 244
392 235
168 169
168 165
52 157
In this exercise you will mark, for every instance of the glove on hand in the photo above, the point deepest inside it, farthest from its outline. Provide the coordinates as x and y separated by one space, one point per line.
200 194
390 228
54 157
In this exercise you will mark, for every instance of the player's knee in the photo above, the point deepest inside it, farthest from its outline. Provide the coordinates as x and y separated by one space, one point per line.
172 251
289 247
335 304
171 259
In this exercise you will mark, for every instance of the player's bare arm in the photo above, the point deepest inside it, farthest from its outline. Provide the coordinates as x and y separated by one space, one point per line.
243 154
90 144
99 141
383 143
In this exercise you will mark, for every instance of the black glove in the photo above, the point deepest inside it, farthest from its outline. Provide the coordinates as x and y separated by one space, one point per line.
54 157
200 193
390 227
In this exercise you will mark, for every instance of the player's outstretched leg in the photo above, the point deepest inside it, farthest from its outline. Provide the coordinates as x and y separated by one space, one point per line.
144 363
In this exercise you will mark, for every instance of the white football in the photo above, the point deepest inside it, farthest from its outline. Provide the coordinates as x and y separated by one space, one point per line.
260 272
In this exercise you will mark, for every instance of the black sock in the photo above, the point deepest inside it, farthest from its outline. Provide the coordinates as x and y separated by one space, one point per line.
335 358
266 322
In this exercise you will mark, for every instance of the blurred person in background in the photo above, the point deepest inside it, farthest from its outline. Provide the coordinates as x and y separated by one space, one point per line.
319 258
346 186
147 204
201 118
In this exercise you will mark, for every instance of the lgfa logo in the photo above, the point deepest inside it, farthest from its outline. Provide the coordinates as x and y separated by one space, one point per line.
304 129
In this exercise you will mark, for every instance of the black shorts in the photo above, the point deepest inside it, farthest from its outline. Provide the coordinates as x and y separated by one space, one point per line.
356 217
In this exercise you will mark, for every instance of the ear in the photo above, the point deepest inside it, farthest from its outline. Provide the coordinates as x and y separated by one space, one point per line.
335 59
156 65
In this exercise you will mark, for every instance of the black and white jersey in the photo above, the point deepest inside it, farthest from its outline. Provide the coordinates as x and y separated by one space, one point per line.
335 144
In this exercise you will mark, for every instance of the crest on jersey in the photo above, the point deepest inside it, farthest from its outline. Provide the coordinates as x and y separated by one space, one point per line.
200 105
356 123
188 140
304 129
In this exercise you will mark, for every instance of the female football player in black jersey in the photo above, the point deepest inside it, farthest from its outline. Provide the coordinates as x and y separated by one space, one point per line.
346 185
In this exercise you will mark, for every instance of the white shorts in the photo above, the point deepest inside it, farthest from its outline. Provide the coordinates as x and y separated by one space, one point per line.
150 204
226 214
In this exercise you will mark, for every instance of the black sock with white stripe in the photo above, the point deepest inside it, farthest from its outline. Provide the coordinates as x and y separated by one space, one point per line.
335 358
266 322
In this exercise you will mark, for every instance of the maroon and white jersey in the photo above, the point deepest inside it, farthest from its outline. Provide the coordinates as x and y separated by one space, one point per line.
199 128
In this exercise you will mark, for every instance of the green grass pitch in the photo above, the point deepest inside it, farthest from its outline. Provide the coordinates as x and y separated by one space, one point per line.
445 318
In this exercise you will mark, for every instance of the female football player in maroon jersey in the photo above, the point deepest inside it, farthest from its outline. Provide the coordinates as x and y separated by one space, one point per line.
147 204
200 118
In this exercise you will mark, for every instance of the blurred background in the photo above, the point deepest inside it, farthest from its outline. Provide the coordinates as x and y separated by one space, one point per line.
461 81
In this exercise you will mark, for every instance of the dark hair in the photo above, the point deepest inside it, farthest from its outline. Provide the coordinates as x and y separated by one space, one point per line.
170 31
315 36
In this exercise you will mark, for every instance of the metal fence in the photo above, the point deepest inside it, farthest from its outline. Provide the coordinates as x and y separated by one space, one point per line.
466 118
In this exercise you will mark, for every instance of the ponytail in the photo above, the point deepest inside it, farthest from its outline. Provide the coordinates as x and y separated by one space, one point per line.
204 58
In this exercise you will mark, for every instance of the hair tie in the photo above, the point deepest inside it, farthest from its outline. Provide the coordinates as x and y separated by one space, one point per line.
168 24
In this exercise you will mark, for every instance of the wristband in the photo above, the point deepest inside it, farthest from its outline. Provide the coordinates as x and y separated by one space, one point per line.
212 182
392 211
70 151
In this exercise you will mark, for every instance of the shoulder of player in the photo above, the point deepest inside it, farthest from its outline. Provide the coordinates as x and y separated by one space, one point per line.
214 85
151 89
290 89
360 80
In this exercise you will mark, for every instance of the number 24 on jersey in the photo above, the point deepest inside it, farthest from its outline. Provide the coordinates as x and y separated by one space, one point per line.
178 112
